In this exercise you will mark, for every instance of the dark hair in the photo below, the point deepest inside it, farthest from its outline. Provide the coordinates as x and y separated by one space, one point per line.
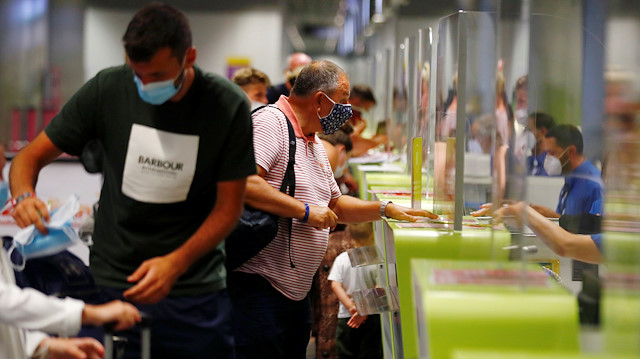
317 76
154 27
543 120
339 137
363 92
566 135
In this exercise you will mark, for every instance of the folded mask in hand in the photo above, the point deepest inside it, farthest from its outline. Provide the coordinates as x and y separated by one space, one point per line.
30 243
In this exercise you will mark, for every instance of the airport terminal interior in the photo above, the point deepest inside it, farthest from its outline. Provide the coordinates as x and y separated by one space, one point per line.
477 104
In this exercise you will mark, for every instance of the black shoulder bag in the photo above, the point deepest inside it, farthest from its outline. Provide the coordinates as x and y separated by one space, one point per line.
257 228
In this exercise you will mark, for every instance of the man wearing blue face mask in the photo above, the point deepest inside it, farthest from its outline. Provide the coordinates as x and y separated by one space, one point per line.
271 311
177 150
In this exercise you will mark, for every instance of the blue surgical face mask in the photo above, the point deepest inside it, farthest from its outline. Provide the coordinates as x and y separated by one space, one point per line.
157 93
4 193
340 113
30 243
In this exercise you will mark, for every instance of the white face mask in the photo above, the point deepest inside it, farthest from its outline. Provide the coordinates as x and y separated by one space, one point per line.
531 140
256 104
521 116
339 172
552 165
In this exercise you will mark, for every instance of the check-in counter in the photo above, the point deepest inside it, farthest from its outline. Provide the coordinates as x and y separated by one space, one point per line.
400 242
501 354
620 306
490 305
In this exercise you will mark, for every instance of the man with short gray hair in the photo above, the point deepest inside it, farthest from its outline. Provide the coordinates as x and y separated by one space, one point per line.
269 292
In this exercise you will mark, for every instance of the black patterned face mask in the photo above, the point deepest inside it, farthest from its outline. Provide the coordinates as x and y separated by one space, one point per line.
340 113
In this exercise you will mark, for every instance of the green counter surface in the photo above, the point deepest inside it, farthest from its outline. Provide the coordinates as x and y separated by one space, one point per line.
467 354
621 323
410 243
622 247
375 178
537 318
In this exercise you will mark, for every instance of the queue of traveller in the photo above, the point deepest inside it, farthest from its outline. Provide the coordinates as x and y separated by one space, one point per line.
159 231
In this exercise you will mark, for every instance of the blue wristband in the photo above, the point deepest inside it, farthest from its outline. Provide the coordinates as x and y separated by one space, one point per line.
306 213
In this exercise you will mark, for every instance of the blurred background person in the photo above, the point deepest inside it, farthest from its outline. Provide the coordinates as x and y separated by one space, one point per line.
254 83
294 62
339 147
503 112
521 103
362 100
583 190
538 163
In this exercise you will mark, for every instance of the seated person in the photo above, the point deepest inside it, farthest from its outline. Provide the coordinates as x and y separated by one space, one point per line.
254 83
539 164
25 311
362 100
583 189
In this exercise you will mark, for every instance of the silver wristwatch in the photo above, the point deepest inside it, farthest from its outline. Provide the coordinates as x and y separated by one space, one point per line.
383 208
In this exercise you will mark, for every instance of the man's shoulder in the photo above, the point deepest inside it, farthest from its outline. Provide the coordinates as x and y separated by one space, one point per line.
587 168
269 113
219 86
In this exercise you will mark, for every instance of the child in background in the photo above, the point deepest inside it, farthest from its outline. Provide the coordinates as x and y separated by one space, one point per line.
357 336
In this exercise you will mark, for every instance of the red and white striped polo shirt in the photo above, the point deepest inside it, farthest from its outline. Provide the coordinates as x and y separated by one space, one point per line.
315 186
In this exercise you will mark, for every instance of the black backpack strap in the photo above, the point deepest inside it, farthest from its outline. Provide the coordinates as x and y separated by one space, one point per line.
289 180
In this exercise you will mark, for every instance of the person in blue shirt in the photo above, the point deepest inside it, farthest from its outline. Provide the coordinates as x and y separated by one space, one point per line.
583 188
538 163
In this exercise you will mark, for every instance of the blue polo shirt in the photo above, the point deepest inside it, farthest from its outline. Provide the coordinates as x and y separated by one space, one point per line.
583 191
597 239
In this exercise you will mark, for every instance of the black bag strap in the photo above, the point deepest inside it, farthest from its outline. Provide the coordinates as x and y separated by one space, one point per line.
289 180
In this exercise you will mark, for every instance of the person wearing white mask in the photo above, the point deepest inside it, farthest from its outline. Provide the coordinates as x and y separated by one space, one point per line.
521 97
583 189
338 146
525 139
254 83
539 164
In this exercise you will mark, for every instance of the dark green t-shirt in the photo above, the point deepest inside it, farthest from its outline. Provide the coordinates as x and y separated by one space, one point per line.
161 168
